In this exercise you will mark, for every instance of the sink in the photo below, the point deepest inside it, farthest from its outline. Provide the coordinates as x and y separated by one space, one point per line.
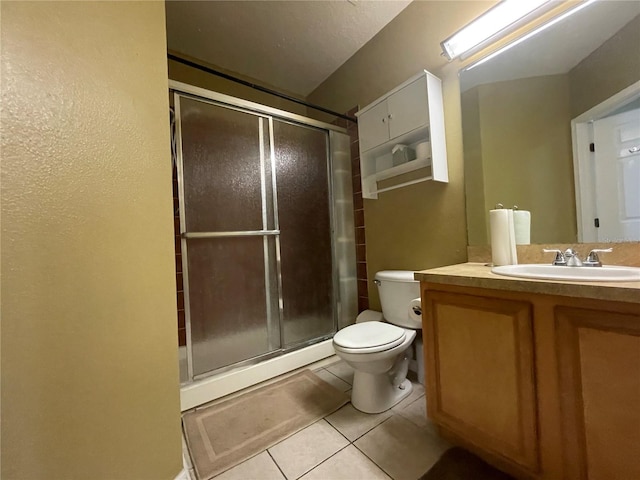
578 274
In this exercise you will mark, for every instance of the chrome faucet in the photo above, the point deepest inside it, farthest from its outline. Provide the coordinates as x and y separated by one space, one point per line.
570 257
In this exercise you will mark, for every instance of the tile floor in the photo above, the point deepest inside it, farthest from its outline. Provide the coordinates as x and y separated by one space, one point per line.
399 444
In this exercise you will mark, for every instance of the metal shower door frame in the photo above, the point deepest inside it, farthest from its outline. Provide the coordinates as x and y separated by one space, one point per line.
274 320
265 115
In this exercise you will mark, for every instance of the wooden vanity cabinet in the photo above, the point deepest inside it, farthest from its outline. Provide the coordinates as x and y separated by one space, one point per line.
541 386
481 372
599 370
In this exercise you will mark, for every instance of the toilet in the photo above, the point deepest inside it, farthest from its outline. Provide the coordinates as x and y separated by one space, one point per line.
378 345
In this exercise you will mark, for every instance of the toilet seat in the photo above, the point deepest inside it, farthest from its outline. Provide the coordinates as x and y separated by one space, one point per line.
368 337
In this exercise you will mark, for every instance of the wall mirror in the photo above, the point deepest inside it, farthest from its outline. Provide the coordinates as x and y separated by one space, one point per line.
517 110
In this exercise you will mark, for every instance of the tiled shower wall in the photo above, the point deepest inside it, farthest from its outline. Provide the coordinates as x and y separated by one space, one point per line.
182 328
361 252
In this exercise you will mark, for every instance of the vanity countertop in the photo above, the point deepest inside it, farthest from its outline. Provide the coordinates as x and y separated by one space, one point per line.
479 275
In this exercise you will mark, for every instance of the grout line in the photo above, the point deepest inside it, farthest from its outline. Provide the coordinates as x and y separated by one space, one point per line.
375 426
236 465
274 461
373 461
329 423
336 375
326 459
339 378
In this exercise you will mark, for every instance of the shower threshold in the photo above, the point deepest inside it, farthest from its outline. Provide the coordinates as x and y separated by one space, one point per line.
218 385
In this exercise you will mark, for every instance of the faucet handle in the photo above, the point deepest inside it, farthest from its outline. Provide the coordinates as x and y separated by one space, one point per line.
593 260
559 260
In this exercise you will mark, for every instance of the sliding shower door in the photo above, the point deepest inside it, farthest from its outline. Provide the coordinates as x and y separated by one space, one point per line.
228 235
258 236
305 225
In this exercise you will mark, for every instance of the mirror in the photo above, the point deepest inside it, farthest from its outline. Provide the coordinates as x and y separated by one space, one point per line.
517 109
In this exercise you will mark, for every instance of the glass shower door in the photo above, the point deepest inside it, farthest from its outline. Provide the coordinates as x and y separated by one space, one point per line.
304 221
228 235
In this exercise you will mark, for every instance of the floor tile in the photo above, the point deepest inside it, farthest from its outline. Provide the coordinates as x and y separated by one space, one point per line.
348 464
417 414
416 392
343 370
306 449
402 449
331 379
353 424
261 466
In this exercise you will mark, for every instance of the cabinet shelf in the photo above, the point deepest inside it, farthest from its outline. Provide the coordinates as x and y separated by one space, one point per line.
371 181
402 168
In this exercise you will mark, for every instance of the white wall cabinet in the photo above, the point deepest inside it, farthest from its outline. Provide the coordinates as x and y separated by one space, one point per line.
410 114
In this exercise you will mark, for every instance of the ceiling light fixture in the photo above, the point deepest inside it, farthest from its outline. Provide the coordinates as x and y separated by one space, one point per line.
496 22
533 32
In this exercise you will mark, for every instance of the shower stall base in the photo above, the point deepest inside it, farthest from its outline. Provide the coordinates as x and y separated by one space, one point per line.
222 384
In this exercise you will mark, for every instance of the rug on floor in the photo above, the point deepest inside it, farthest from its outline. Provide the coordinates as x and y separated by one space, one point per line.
229 432
458 464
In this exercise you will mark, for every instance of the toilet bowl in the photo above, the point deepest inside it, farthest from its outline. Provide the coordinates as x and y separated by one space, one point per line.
376 347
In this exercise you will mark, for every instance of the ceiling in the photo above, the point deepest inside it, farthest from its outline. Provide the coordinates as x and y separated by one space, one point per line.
291 45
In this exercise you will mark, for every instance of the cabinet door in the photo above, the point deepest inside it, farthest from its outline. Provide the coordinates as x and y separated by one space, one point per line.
479 356
373 126
599 367
408 108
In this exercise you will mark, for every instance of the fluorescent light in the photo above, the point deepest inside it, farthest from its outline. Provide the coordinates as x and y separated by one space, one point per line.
504 16
533 32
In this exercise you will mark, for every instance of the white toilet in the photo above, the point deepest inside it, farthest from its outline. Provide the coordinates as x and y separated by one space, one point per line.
377 350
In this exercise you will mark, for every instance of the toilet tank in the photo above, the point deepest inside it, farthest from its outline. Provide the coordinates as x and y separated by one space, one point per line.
397 288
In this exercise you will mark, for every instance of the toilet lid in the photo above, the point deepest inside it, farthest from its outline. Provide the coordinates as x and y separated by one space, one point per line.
372 336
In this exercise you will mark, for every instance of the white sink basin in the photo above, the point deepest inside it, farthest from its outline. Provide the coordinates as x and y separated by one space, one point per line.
580 274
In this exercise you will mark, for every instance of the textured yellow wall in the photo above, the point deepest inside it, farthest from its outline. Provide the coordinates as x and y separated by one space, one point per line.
423 225
89 346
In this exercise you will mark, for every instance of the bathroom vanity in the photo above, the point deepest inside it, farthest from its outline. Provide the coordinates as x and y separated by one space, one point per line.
540 378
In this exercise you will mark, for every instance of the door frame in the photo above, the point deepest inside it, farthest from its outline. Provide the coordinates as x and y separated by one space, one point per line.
583 166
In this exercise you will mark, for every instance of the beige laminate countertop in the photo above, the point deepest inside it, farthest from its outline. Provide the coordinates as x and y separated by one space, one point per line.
479 275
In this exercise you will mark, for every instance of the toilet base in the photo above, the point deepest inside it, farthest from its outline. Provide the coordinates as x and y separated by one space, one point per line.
374 393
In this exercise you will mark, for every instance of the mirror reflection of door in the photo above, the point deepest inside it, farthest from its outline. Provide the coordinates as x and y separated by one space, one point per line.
617 176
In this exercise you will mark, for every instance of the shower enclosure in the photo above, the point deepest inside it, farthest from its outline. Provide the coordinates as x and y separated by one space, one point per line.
266 225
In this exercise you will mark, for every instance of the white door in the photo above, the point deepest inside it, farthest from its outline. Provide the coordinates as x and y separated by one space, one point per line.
617 176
